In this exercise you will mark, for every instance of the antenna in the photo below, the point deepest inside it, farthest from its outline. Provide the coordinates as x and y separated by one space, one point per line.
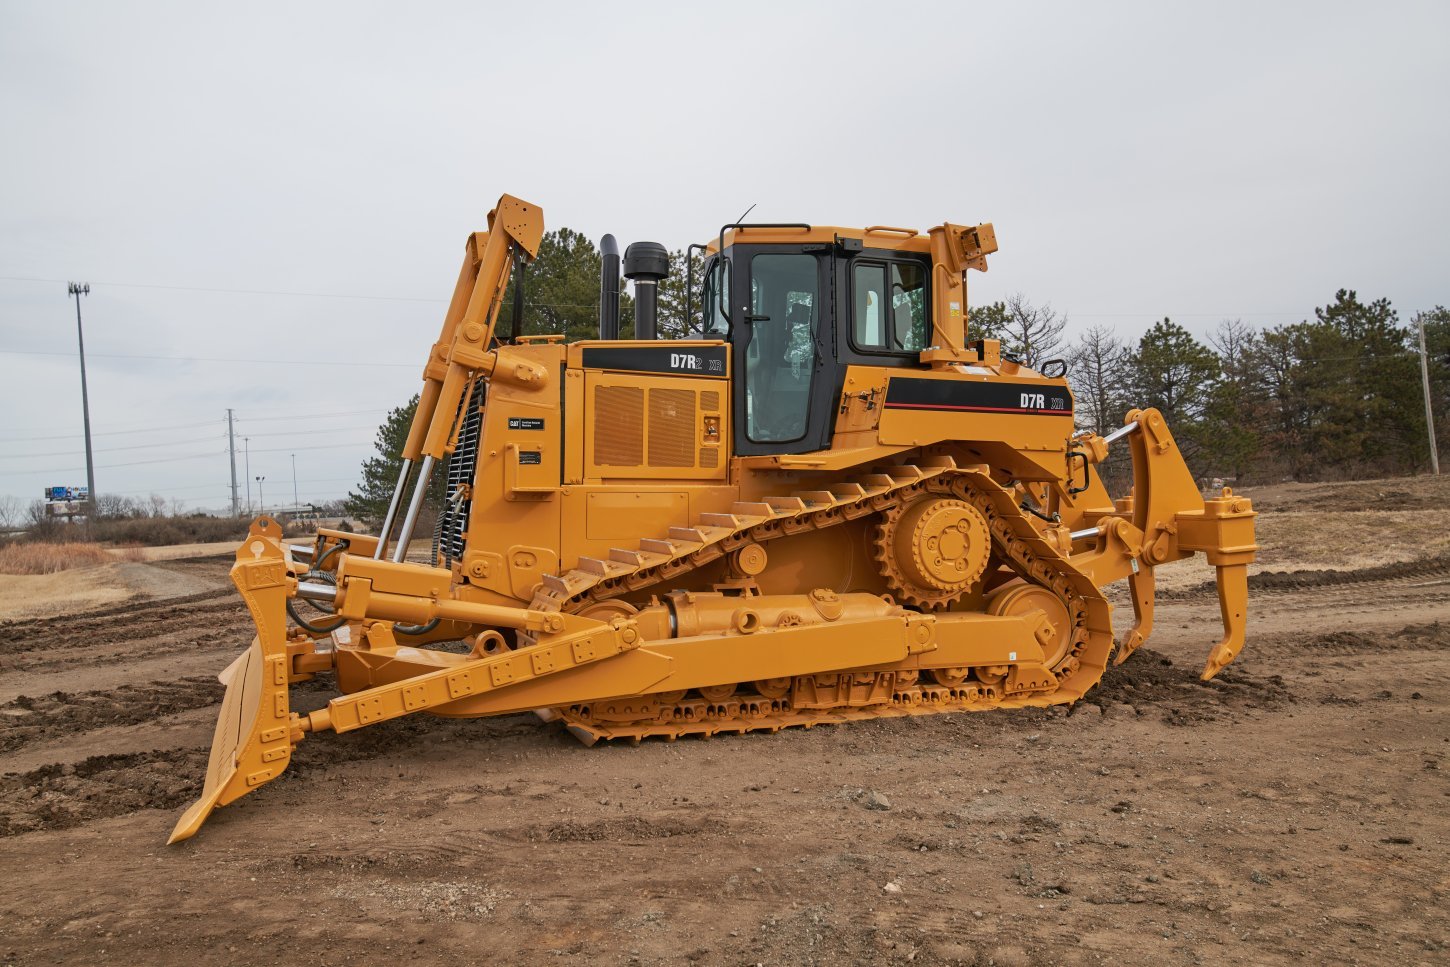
746 212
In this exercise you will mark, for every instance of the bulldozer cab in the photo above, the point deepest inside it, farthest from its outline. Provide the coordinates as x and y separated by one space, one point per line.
796 315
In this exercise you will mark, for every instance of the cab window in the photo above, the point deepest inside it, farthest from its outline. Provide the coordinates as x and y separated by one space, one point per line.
889 307
780 356
714 323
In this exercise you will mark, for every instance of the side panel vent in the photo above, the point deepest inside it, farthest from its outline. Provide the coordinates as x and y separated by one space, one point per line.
671 428
654 428
619 426
453 517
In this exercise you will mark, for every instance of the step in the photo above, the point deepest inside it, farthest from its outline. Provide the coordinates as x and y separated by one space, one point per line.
816 499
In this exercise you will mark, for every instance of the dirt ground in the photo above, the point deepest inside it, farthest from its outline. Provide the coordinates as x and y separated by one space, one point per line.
1294 810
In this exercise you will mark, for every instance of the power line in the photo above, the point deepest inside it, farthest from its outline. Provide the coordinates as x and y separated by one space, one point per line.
202 288
329 446
215 359
138 446
306 416
168 443
313 431
294 294
67 436
177 490
113 466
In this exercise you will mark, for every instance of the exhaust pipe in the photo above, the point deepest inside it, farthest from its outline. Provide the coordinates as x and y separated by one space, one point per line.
645 264
609 288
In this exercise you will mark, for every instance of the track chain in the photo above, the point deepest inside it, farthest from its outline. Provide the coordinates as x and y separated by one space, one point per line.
1016 541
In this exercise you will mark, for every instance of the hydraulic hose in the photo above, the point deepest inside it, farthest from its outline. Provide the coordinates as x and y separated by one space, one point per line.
325 577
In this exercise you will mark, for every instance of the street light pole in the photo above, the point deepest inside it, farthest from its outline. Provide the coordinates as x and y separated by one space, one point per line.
79 290
261 496
295 502
247 456
1429 408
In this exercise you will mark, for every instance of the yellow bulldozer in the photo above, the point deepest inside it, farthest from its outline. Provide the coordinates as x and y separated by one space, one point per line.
829 504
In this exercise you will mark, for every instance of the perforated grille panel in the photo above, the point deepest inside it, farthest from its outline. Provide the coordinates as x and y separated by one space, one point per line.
671 428
710 401
708 457
619 426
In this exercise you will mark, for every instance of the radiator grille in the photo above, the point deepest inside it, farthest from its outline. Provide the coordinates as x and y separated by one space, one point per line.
708 457
453 516
619 426
710 401
671 428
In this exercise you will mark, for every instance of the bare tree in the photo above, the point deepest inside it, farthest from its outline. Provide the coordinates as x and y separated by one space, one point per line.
1236 344
113 507
1031 333
1098 375
12 512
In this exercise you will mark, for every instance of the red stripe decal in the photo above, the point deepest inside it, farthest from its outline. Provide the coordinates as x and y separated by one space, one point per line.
980 409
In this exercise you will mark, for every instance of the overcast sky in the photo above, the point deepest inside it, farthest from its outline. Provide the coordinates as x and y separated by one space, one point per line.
269 201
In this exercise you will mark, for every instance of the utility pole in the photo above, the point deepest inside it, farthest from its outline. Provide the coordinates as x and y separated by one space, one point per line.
79 290
1429 410
261 496
295 502
247 449
232 448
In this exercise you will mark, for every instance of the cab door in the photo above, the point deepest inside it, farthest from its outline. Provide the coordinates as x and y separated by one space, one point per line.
781 336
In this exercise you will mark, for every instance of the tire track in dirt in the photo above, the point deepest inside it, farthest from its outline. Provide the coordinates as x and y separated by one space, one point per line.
87 656
26 719
61 796
1409 638
153 619
65 795
1287 582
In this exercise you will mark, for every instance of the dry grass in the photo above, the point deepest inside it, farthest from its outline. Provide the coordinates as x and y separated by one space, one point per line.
50 558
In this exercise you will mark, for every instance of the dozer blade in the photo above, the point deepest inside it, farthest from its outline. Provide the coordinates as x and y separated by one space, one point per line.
255 733
234 726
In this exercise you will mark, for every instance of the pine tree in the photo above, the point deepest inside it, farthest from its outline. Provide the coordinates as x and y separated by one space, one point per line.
679 308
369 501
1238 407
1175 373
561 290
987 321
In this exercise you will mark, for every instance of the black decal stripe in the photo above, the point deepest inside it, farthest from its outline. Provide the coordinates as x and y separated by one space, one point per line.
710 361
978 396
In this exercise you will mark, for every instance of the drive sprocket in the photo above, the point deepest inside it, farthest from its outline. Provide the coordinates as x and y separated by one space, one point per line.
932 549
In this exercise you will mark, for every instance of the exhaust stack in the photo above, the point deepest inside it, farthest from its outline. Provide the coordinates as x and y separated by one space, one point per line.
645 264
609 288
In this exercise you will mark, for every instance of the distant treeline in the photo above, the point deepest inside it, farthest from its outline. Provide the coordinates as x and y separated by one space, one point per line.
1335 397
